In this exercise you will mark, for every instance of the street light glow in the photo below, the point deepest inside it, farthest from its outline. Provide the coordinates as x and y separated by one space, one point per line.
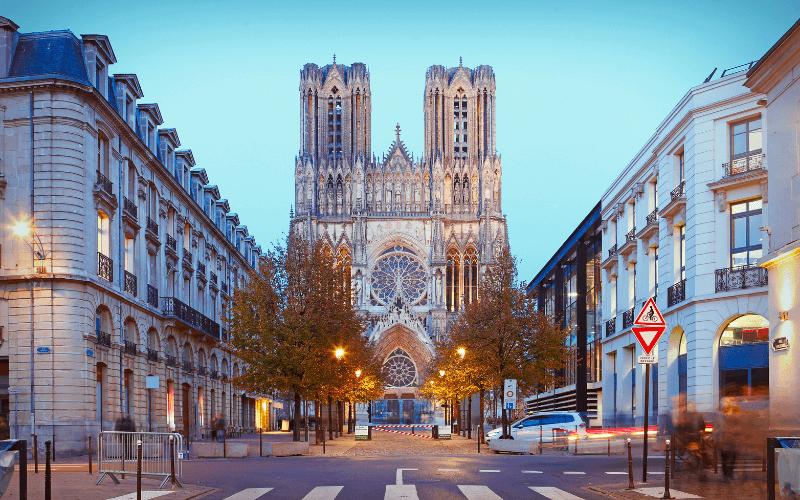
462 352
441 373
21 229
339 353
358 373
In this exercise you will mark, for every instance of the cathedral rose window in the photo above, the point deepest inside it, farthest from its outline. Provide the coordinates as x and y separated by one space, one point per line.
400 370
398 273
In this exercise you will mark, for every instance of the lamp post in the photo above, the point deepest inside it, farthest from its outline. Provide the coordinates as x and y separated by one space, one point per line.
338 354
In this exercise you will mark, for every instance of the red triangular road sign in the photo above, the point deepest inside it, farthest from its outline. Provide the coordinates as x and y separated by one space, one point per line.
650 315
648 336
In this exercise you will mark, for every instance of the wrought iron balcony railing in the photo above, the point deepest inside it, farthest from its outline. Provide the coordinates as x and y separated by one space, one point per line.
611 326
676 293
744 164
652 217
739 278
188 367
187 256
213 277
224 287
152 226
105 183
223 377
631 235
678 192
171 243
612 251
627 318
201 268
224 334
152 355
214 374
171 360
103 338
130 207
131 285
174 308
201 370
105 267
130 348
152 296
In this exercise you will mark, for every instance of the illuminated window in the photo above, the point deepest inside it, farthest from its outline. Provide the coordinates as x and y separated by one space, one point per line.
745 235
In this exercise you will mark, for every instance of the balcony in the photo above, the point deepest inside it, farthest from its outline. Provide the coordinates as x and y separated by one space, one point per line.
676 293
152 226
631 235
130 208
224 287
630 243
171 360
201 370
611 326
743 165
103 338
152 296
131 285
213 280
223 377
172 245
652 217
224 334
174 308
187 256
151 232
676 204
627 318
214 375
105 267
678 192
201 268
130 348
187 367
612 251
152 355
105 184
740 278
650 228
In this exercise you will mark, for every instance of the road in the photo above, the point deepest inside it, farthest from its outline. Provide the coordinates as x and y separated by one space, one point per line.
484 477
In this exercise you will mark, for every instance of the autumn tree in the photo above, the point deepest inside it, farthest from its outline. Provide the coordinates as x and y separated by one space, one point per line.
505 337
289 320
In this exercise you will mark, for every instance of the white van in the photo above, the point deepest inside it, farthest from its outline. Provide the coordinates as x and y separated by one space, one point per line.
548 425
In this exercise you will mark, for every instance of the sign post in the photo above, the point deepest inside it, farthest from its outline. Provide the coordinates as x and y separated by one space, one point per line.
648 328
509 401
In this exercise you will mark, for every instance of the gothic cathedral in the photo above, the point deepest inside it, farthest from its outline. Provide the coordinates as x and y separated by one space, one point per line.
416 233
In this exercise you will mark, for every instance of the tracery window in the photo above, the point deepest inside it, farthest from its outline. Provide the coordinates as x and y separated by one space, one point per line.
452 287
398 273
400 370
470 277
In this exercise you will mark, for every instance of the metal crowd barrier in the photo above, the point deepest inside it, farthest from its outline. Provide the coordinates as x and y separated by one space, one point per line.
117 454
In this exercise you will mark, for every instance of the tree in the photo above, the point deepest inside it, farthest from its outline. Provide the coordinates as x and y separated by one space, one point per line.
505 337
289 320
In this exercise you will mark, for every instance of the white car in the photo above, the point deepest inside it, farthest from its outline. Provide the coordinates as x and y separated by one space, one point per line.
558 424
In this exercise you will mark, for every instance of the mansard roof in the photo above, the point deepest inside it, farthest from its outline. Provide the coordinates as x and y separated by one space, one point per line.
133 82
172 135
54 54
153 110
103 44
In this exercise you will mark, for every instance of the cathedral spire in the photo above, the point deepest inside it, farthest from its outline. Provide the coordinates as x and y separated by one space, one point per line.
334 59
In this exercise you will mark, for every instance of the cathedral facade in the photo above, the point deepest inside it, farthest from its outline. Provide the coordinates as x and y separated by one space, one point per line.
416 232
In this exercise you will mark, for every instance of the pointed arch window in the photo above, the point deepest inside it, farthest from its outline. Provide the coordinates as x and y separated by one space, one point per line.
453 274
330 127
470 277
338 127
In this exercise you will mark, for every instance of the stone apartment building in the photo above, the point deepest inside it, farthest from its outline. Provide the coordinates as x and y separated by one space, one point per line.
115 302
683 223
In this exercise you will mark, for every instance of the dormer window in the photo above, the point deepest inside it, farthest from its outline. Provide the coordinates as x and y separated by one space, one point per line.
151 132
128 107
98 74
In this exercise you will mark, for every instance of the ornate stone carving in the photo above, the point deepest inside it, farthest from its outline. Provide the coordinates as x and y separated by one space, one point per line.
764 192
722 204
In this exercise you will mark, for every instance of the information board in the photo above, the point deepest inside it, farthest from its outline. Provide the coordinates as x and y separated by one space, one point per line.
362 432
444 432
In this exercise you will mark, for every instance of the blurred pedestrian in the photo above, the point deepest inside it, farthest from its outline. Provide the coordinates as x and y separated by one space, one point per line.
727 430
220 427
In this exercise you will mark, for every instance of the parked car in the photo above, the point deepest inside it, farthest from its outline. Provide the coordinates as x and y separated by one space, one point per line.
558 424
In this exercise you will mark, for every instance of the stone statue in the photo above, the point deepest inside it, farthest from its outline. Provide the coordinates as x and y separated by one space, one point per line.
357 290
438 291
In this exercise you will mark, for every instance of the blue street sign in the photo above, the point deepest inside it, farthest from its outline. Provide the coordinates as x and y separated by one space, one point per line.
509 406
42 350
89 352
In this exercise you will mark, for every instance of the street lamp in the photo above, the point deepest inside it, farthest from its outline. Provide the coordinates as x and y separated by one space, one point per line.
339 353
358 373
462 352
441 373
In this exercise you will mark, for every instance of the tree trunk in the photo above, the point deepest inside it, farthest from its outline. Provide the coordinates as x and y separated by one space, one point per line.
330 418
480 420
318 425
297 415
506 434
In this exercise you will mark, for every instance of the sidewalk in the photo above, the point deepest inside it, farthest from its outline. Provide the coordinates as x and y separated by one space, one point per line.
80 486
751 487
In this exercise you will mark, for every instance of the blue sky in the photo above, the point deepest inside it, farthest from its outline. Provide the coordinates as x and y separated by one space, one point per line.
580 85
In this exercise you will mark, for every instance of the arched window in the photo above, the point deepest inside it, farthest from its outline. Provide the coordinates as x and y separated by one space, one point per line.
330 127
338 127
744 359
188 356
456 127
464 123
470 277
453 274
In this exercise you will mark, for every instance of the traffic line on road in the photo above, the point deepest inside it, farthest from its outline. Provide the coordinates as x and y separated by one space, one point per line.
448 470
248 494
323 493
662 473
399 477
146 495
554 493
488 470
659 493
617 473
532 472
401 492
473 492
574 472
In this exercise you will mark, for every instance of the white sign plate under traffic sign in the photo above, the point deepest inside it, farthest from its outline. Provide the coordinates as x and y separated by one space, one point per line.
17 390
649 326
510 394
647 359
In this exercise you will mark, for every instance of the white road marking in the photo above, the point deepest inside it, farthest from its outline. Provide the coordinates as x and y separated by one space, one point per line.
571 472
448 470
400 475
248 494
532 472
554 493
478 492
662 473
659 492
146 495
400 491
489 470
323 493
619 473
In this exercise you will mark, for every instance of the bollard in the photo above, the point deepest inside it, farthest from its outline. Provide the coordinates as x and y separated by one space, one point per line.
224 446
609 446
123 452
480 430
47 490
139 469
90 454
666 473
630 466
412 429
53 449
35 455
540 440
260 443
323 440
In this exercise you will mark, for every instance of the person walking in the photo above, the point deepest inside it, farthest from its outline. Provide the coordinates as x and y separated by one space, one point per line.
725 434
